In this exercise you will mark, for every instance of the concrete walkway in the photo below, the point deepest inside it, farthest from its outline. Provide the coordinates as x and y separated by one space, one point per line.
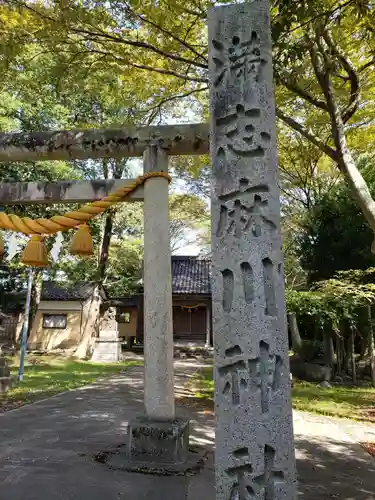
46 450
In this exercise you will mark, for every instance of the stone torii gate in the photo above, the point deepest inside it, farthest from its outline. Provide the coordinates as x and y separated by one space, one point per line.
254 435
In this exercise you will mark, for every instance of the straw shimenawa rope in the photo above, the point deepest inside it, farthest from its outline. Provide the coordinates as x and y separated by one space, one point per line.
35 253
75 218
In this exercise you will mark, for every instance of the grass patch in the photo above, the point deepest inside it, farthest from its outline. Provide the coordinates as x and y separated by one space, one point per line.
49 375
340 401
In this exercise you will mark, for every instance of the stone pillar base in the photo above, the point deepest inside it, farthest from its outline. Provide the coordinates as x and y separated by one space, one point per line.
107 347
156 447
106 352
153 441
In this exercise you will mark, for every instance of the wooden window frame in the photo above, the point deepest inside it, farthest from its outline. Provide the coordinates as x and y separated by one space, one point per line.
49 315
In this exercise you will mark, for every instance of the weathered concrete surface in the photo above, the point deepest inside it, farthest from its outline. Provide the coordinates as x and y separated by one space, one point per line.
158 327
107 348
187 139
254 434
13 193
46 447
155 444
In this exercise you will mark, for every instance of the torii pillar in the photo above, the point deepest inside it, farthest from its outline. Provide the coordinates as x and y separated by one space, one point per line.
157 277
158 439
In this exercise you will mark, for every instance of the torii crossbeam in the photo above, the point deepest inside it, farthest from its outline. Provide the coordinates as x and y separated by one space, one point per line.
189 139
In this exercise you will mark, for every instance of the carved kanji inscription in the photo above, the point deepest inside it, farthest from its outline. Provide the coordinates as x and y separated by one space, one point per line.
228 289
269 287
237 61
241 488
245 487
252 396
245 209
265 373
241 134
247 281
270 477
247 276
234 374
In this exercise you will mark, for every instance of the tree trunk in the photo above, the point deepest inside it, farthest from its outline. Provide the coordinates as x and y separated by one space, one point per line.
104 251
89 325
359 189
294 332
346 344
118 171
364 350
371 346
91 313
338 354
36 292
343 354
344 157
352 354
329 353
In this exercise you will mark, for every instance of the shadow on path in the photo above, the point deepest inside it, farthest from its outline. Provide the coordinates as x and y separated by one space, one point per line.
47 448
329 469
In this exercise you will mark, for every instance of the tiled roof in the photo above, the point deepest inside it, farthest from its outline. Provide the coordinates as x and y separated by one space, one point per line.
56 291
191 275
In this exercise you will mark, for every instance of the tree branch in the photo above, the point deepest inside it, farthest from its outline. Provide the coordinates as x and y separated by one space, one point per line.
168 33
113 38
345 160
158 106
367 65
308 134
141 45
296 89
323 14
352 74
152 69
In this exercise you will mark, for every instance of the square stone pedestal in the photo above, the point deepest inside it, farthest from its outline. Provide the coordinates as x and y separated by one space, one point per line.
156 447
107 347
165 442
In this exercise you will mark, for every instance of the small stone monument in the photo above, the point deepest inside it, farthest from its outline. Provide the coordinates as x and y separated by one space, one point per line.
108 345
6 380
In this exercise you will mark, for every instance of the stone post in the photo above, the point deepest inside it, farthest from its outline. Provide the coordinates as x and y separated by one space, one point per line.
254 434
158 440
158 328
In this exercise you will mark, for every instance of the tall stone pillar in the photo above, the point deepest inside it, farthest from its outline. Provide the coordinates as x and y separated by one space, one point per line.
158 327
157 441
254 434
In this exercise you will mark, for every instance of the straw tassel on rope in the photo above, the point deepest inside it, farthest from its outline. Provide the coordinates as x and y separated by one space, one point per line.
35 253
82 244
